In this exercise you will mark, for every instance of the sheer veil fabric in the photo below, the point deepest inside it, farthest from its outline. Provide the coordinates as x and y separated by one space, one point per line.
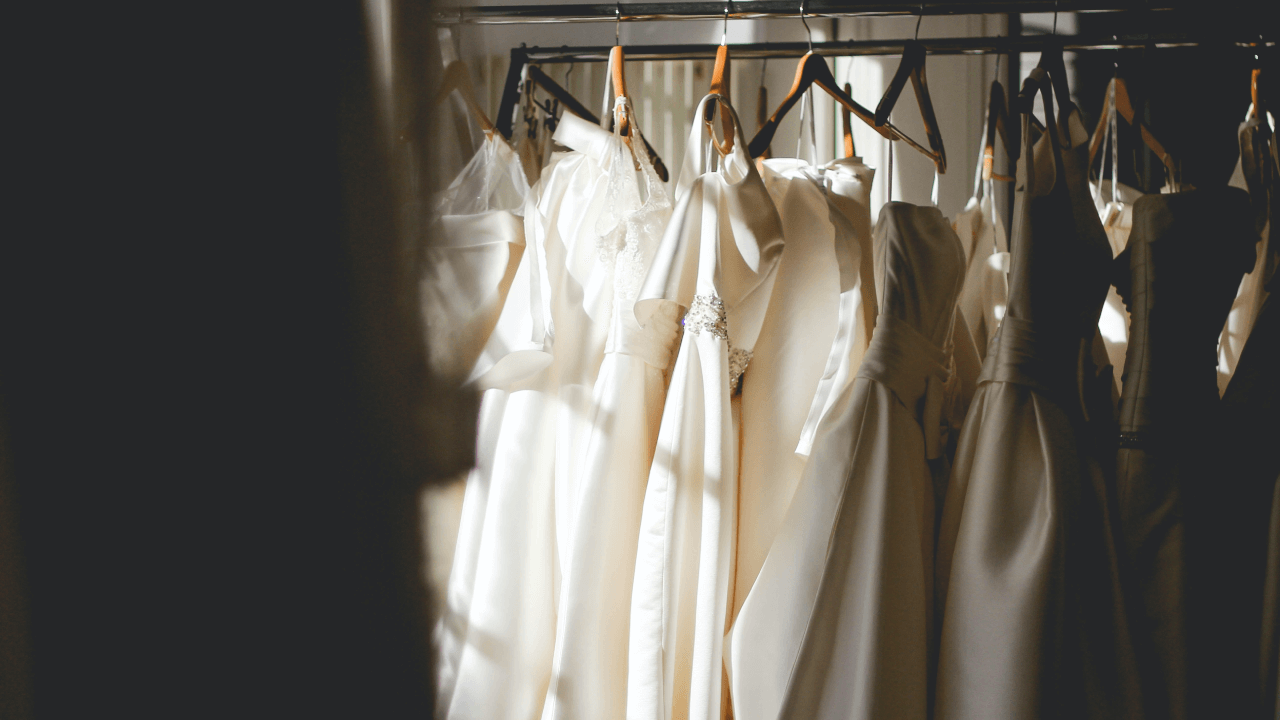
718 260
1033 621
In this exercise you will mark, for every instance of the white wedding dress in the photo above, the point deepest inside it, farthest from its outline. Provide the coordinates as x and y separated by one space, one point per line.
538 448
841 612
794 355
718 259
477 242
609 465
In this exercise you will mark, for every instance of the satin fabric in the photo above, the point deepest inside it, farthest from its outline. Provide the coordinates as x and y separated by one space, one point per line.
986 251
1243 527
520 510
610 461
1117 220
788 359
1168 416
838 624
1028 576
478 234
847 182
718 260
1257 149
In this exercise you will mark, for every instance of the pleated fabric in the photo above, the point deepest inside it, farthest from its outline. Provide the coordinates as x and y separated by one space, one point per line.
1169 413
1033 622
838 623
718 259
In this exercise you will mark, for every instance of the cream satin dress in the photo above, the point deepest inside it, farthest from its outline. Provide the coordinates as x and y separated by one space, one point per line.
840 617
1033 618
1114 201
825 291
477 242
986 250
606 473
718 260
545 443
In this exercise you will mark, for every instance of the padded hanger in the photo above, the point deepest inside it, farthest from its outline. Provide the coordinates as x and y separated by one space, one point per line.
912 66
456 77
1124 108
813 70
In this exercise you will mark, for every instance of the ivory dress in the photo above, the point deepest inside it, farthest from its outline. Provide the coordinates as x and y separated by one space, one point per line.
1169 413
986 251
812 341
610 464
537 450
793 357
718 259
478 240
841 614
1033 622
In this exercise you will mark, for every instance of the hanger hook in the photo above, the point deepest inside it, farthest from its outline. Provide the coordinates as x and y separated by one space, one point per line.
918 19
617 23
806 25
1055 17
724 38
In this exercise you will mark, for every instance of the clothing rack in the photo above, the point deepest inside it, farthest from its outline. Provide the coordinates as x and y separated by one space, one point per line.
522 56
758 9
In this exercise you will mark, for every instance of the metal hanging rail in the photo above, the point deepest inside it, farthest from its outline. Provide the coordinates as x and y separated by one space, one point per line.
756 9
845 48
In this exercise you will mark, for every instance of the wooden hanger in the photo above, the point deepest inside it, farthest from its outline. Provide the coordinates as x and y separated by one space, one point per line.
570 103
456 77
617 70
1124 107
813 70
998 123
912 66
846 126
720 86
1258 109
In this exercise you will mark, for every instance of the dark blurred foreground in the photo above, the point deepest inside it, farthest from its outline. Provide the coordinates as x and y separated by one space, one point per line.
215 413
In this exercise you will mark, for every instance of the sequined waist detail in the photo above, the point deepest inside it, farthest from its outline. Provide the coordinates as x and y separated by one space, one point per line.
707 316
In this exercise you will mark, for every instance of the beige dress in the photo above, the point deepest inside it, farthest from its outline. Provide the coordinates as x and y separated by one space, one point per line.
1033 622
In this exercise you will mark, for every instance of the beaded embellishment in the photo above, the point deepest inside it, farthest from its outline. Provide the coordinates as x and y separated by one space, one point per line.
707 315
738 360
